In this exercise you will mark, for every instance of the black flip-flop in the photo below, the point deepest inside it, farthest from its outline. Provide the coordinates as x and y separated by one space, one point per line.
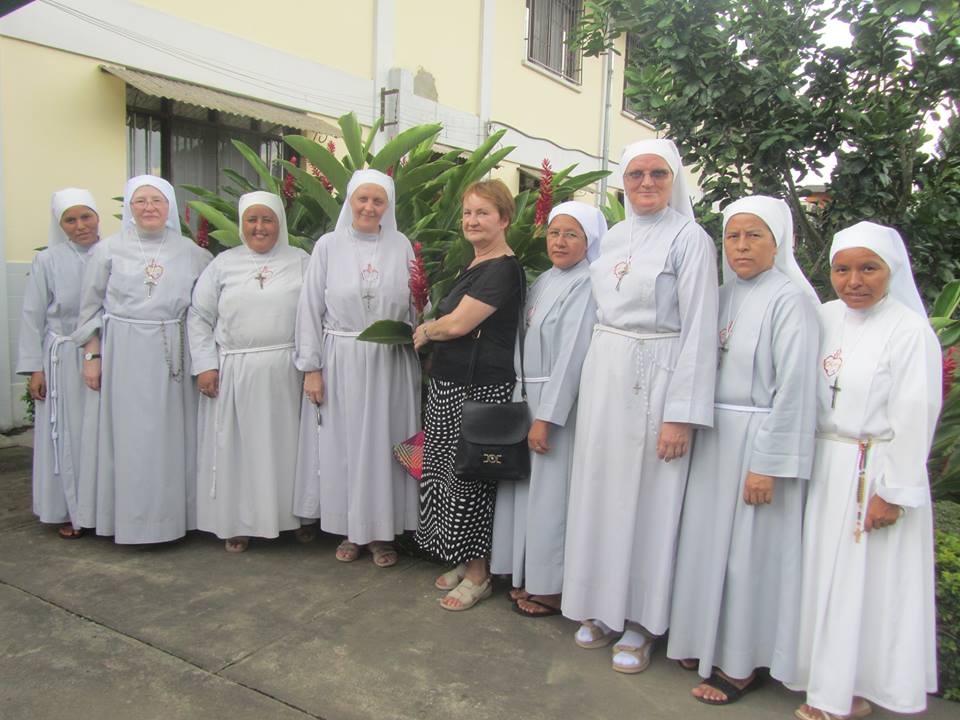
550 610
733 693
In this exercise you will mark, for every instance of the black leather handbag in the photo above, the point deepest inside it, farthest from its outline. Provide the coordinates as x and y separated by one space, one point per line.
493 436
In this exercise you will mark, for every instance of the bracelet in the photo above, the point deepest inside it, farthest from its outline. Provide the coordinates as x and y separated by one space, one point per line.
91 356
426 334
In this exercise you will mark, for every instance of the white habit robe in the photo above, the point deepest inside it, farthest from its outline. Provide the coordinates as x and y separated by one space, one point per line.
867 610
145 474
736 595
51 303
530 518
625 502
247 439
346 474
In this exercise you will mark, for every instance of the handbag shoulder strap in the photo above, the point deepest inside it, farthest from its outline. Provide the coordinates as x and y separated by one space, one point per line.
521 332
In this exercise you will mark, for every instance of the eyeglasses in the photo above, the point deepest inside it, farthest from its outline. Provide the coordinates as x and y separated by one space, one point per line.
568 235
154 201
658 176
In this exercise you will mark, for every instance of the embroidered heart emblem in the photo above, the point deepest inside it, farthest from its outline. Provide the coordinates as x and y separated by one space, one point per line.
833 363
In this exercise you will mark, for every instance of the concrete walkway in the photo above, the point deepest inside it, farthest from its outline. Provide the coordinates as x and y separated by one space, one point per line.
89 629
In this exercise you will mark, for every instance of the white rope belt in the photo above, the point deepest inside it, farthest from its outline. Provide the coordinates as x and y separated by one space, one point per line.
263 348
851 440
741 408
54 394
135 321
216 411
634 335
341 333
534 380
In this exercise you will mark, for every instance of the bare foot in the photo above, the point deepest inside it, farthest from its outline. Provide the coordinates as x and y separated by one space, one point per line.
707 692
518 594
539 605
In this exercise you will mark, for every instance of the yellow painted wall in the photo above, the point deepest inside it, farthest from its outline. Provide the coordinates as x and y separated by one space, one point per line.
443 38
64 125
568 116
339 34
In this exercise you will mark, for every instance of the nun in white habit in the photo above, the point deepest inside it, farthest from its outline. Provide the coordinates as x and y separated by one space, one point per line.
136 291
53 360
736 595
241 326
530 517
647 383
359 397
867 610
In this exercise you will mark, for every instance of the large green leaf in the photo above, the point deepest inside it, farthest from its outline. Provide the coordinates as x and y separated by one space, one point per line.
389 156
322 159
315 189
215 217
372 135
946 303
388 332
353 139
228 238
270 183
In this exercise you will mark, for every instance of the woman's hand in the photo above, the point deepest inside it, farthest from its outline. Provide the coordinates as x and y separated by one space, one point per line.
420 336
758 489
673 441
208 382
37 385
313 386
91 373
537 437
880 514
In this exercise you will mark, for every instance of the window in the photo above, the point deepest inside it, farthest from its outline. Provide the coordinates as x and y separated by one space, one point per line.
190 145
631 43
528 180
549 28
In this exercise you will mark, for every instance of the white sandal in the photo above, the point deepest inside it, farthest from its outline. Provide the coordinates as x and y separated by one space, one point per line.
450 579
469 594
598 638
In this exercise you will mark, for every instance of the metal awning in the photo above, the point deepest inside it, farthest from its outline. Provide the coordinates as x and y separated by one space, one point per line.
194 94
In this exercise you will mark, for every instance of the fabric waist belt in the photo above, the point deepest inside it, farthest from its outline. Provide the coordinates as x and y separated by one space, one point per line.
535 380
741 408
341 333
851 440
263 348
634 335
136 321
53 392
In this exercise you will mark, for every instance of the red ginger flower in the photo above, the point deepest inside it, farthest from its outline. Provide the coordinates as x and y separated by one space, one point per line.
949 370
419 284
203 233
545 201
186 214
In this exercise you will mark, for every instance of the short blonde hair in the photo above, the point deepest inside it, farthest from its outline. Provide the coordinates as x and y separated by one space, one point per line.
496 192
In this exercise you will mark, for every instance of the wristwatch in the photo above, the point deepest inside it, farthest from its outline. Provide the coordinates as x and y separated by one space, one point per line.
91 356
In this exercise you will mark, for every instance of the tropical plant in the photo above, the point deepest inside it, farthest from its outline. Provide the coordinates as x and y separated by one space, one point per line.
429 187
944 462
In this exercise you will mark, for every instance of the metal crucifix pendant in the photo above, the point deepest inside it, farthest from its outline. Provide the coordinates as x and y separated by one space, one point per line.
150 282
835 388
368 299
260 277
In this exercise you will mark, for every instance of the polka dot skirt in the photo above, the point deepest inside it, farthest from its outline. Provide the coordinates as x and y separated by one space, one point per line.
456 513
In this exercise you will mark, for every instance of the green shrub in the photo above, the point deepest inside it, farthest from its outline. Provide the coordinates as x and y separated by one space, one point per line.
947 538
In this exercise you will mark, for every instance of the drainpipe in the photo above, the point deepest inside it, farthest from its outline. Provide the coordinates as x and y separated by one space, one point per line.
605 121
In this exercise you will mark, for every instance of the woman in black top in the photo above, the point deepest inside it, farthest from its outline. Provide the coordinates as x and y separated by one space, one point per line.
456 513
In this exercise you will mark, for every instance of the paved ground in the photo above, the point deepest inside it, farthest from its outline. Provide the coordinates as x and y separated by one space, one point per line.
89 629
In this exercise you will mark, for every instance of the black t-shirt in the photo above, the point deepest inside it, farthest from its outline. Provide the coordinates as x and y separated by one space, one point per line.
494 282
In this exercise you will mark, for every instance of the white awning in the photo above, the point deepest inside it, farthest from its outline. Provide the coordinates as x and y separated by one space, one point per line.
194 94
